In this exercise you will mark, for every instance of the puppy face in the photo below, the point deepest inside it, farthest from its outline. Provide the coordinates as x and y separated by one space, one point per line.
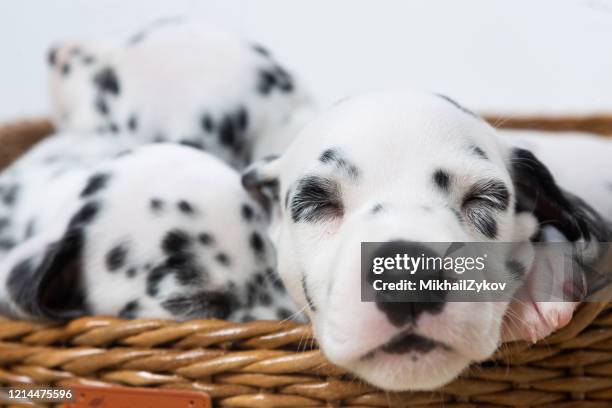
183 82
155 231
401 167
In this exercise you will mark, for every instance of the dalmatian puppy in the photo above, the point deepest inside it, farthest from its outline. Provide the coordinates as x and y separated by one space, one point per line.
91 224
180 81
402 168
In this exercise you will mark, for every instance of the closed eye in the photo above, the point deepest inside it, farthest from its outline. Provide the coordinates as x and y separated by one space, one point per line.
491 193
316 199
480 203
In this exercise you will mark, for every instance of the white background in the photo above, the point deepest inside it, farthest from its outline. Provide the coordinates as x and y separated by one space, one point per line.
492 55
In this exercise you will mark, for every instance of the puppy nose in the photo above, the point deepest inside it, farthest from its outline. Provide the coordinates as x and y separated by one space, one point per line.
407 309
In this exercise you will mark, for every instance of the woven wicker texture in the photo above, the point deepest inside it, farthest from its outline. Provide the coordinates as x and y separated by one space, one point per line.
277 364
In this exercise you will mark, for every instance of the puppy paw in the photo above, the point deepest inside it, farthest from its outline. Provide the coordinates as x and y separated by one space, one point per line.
532 321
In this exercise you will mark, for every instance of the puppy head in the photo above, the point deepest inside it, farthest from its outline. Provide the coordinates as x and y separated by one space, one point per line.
161 231
74 70
403 167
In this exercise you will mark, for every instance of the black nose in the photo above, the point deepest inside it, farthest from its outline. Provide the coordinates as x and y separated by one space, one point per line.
403 307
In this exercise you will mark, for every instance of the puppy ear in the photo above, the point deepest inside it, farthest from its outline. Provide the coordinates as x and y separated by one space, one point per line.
42 277
261 180
537 192
560 216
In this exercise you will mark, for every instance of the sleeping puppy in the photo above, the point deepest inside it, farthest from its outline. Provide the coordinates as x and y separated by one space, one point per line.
183 82
405 168
97 225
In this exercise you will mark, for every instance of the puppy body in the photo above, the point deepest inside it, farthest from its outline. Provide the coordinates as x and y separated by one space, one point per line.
180 81
111 228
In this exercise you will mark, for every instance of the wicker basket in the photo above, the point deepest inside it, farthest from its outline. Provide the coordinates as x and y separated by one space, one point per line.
277 364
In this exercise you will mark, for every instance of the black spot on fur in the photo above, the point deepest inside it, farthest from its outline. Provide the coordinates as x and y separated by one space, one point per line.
132 123
186 272
4 223
107 81
516 269
207 123
328 156
287 196
261 50
96 183
247 212
154 278
266 82
376 209
242 119
124 153
116 257
259 279
131 272
257 243
52 56
7 243
175 241
159 138
156 204
252 290
223 258
137 38
9 194
101 106
85 215
185 207
480 152
283 79
65 69
30 228
264 298
442 179
88 59
333 156
130 310
276 281
457 214
204 304
113 127
227 132
311 304
196 144
205 238
315 199
455 104
283 313
179 262
274 77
